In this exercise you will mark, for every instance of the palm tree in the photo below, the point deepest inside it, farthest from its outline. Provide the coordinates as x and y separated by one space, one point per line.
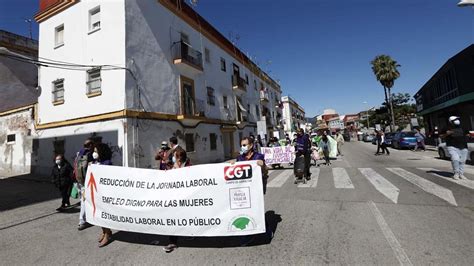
386 72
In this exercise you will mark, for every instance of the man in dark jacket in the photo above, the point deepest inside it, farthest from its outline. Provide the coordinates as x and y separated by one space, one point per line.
456 143
62 179
303 147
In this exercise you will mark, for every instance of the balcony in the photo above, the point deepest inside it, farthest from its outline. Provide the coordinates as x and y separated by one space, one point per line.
264 96
184 55
238 83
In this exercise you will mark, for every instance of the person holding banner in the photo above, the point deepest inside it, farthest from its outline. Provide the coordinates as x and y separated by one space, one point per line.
248 153
103 155
180 160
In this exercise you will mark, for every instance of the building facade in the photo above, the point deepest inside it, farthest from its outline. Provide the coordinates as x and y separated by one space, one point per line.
141 72
293 115
450 91
19 93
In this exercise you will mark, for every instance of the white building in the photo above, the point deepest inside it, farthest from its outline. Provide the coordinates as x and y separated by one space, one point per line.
152 70
18 94
293 115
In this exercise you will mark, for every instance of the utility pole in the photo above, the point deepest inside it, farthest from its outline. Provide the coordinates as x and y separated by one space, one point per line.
28 20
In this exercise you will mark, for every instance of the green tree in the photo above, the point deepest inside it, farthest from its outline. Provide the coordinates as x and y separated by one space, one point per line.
386 72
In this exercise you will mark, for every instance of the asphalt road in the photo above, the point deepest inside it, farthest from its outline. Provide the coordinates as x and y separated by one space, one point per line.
363 209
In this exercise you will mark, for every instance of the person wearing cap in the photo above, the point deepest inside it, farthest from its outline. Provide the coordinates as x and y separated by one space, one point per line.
162 156
456 143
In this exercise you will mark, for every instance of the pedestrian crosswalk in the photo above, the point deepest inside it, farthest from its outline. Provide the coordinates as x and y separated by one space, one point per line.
341 179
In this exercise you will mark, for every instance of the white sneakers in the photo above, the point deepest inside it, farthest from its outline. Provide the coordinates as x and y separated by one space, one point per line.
456 176
462 177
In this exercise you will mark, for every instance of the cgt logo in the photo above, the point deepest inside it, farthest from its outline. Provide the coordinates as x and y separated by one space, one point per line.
237 172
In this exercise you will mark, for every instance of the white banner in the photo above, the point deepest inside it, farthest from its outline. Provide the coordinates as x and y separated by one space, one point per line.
203 200
276 155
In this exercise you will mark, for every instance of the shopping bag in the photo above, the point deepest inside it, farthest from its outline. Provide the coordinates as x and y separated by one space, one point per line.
74 191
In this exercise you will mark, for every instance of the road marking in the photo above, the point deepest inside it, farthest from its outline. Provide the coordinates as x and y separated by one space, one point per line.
426 185
381 184
389 236
280 179
462 182
314 179
341 178
468 170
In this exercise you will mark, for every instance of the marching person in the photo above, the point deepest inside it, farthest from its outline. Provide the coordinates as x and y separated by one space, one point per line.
180 160
326 149
340 142
383 145
173 145
303 147
436 138
162 156
103 155
456 143
82 161
247 153
420 140
62 175
378 137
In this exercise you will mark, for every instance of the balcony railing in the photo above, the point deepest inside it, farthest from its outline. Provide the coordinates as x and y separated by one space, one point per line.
183 53
238 82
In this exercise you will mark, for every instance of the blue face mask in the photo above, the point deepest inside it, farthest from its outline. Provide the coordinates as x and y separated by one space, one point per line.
174 159
244 150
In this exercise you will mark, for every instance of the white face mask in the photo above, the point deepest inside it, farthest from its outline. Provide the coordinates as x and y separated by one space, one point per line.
58 162
456 122
95 155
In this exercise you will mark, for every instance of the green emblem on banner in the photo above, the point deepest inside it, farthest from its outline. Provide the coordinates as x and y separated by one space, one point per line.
241 223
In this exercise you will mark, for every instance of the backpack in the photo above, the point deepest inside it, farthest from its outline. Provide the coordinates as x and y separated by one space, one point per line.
80 168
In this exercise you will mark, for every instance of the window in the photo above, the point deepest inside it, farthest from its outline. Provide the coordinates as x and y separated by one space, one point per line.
247 79
58 146
11 138
241 136
211 99
255 84
94 19
213 141
207 55
224 100
58 91
223 64
184 38
94 82
187 96
59 36
257 112
189 140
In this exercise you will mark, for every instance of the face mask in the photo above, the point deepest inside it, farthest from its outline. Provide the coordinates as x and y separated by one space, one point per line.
174 159
244 150
58 162
456 122
95 155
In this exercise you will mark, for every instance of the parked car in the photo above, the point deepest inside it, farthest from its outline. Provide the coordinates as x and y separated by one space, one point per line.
444 154
374 141
367 138
404 140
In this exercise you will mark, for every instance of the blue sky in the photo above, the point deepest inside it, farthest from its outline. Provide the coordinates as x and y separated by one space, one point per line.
320 49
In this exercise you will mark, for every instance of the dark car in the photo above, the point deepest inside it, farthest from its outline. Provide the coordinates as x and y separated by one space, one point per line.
404 140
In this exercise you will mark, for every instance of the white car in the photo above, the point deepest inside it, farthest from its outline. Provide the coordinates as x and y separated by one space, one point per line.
444 154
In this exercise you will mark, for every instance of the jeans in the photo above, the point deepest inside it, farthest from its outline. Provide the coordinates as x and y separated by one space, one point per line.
458 159
82 196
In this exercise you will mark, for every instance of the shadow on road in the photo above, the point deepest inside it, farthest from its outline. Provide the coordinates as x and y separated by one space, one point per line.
21 191
272 220
441 173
